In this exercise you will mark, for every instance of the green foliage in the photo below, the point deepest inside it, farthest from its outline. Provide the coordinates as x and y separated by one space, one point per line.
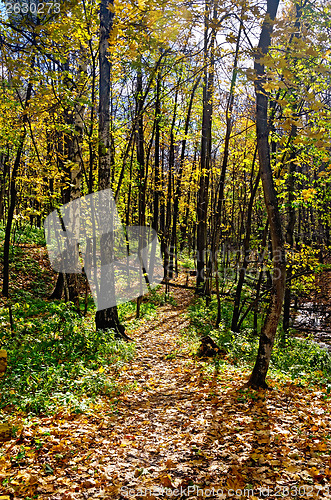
30 235
127 313
186 262
158 298
203 318
148 307
297 358
55 357
60 360
301 356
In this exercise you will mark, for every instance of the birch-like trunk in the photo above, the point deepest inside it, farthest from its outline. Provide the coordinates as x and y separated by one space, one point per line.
269 329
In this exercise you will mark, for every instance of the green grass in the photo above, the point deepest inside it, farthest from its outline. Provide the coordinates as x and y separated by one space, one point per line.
56 359
296 358
60 361
24 235
29 235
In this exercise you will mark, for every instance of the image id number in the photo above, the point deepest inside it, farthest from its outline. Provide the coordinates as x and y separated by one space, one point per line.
33 8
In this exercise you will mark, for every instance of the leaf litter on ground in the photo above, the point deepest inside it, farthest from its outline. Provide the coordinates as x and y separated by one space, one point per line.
181 430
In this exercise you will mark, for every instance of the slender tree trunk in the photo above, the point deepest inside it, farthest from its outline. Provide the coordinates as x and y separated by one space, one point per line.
4 161
157 186
205 163
141 168
168 255
219 198
75 173
13 191
106 318
268 333
290 189
290 242
185 232
242 272
178 190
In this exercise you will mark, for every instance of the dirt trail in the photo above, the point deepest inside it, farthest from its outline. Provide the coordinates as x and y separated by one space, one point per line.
178 435
178 432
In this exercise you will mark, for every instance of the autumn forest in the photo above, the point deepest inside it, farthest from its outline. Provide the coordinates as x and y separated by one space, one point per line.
165 211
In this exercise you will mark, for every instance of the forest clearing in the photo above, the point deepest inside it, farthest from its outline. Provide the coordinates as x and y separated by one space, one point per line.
165 253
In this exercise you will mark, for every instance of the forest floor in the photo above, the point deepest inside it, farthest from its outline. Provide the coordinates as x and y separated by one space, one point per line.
181 432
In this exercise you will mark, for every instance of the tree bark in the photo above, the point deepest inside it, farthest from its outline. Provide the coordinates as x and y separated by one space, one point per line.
74 143
106 318
290 242
207 113
244 266
59 287
13 191
178 190
4 161
268 333
141 167
168 254
219 197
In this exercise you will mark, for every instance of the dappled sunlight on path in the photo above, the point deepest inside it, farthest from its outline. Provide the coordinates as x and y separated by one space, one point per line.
180 432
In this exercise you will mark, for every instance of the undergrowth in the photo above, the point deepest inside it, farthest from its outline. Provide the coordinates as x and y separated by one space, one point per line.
60 361
56 359
295 358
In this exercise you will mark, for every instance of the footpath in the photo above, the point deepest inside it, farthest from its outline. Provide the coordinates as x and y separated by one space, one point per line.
179 433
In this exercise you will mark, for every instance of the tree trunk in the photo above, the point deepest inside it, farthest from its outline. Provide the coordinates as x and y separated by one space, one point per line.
290 242
157 185
59 287
4 161
13 191
219 198
268 333
106 318
168 255
242 272
178 190
74 154
141 168
207 113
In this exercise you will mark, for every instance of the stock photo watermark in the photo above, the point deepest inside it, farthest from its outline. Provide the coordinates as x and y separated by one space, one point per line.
34 8
121 263
278 491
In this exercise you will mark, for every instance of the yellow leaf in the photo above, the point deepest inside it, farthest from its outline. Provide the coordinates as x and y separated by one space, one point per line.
314 472
3 362
5 432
